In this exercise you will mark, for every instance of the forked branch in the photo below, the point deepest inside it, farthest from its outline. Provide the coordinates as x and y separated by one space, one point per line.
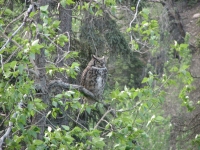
23 23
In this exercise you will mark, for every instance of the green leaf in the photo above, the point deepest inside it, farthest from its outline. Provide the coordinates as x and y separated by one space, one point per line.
13 64
55 112
62 39
159 119
66 127
128 30
76 130
63 3
88 109
69 93
56 24
32 56
72 55
21 68
7 74
54 103
145 80
8 12
109 134
98 142
66 2
75 64
38 142
32 14
59 96
18 139
91 10
37 100
39 104
35 42
44 8
69 2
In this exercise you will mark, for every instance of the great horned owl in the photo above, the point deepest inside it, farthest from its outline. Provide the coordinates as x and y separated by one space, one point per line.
94 76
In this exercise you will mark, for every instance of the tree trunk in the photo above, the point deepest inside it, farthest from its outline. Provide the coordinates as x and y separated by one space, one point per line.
65 16
41 81
177 33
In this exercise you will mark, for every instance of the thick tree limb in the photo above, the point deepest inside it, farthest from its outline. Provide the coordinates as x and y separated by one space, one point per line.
61 84
84 91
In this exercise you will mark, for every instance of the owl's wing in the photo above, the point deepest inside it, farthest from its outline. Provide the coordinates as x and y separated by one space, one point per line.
84 75
105 74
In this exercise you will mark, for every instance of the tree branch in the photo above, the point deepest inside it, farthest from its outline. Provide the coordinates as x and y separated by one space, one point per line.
10 125
84 91
59 83
102 118
23 23
135 15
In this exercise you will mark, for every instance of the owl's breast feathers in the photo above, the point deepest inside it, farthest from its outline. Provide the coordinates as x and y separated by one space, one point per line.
94 79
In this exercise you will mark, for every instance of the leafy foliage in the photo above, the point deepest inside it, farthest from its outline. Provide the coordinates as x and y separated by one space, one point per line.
130 117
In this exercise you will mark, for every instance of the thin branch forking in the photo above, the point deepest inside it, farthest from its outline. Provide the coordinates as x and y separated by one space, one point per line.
135 15
23 23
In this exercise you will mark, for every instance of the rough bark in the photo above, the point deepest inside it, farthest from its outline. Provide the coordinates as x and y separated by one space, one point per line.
65 16
177 33
180 120
176 29
41 81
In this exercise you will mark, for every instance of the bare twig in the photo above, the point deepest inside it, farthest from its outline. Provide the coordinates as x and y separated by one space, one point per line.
102 118
51 41
68 42
5 118
32 71
23 23
68 50
10 125
8 59
79 114
14 20
2 63
135 15
77 122
5 36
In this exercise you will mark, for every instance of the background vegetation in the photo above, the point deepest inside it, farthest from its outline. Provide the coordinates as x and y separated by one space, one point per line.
44 47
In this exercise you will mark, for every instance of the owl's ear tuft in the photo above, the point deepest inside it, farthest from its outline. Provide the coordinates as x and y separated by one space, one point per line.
93 56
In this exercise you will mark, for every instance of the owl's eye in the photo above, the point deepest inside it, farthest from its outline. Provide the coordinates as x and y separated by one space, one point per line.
98 61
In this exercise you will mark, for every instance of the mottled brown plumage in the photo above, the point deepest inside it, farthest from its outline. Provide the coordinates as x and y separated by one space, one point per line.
94 76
